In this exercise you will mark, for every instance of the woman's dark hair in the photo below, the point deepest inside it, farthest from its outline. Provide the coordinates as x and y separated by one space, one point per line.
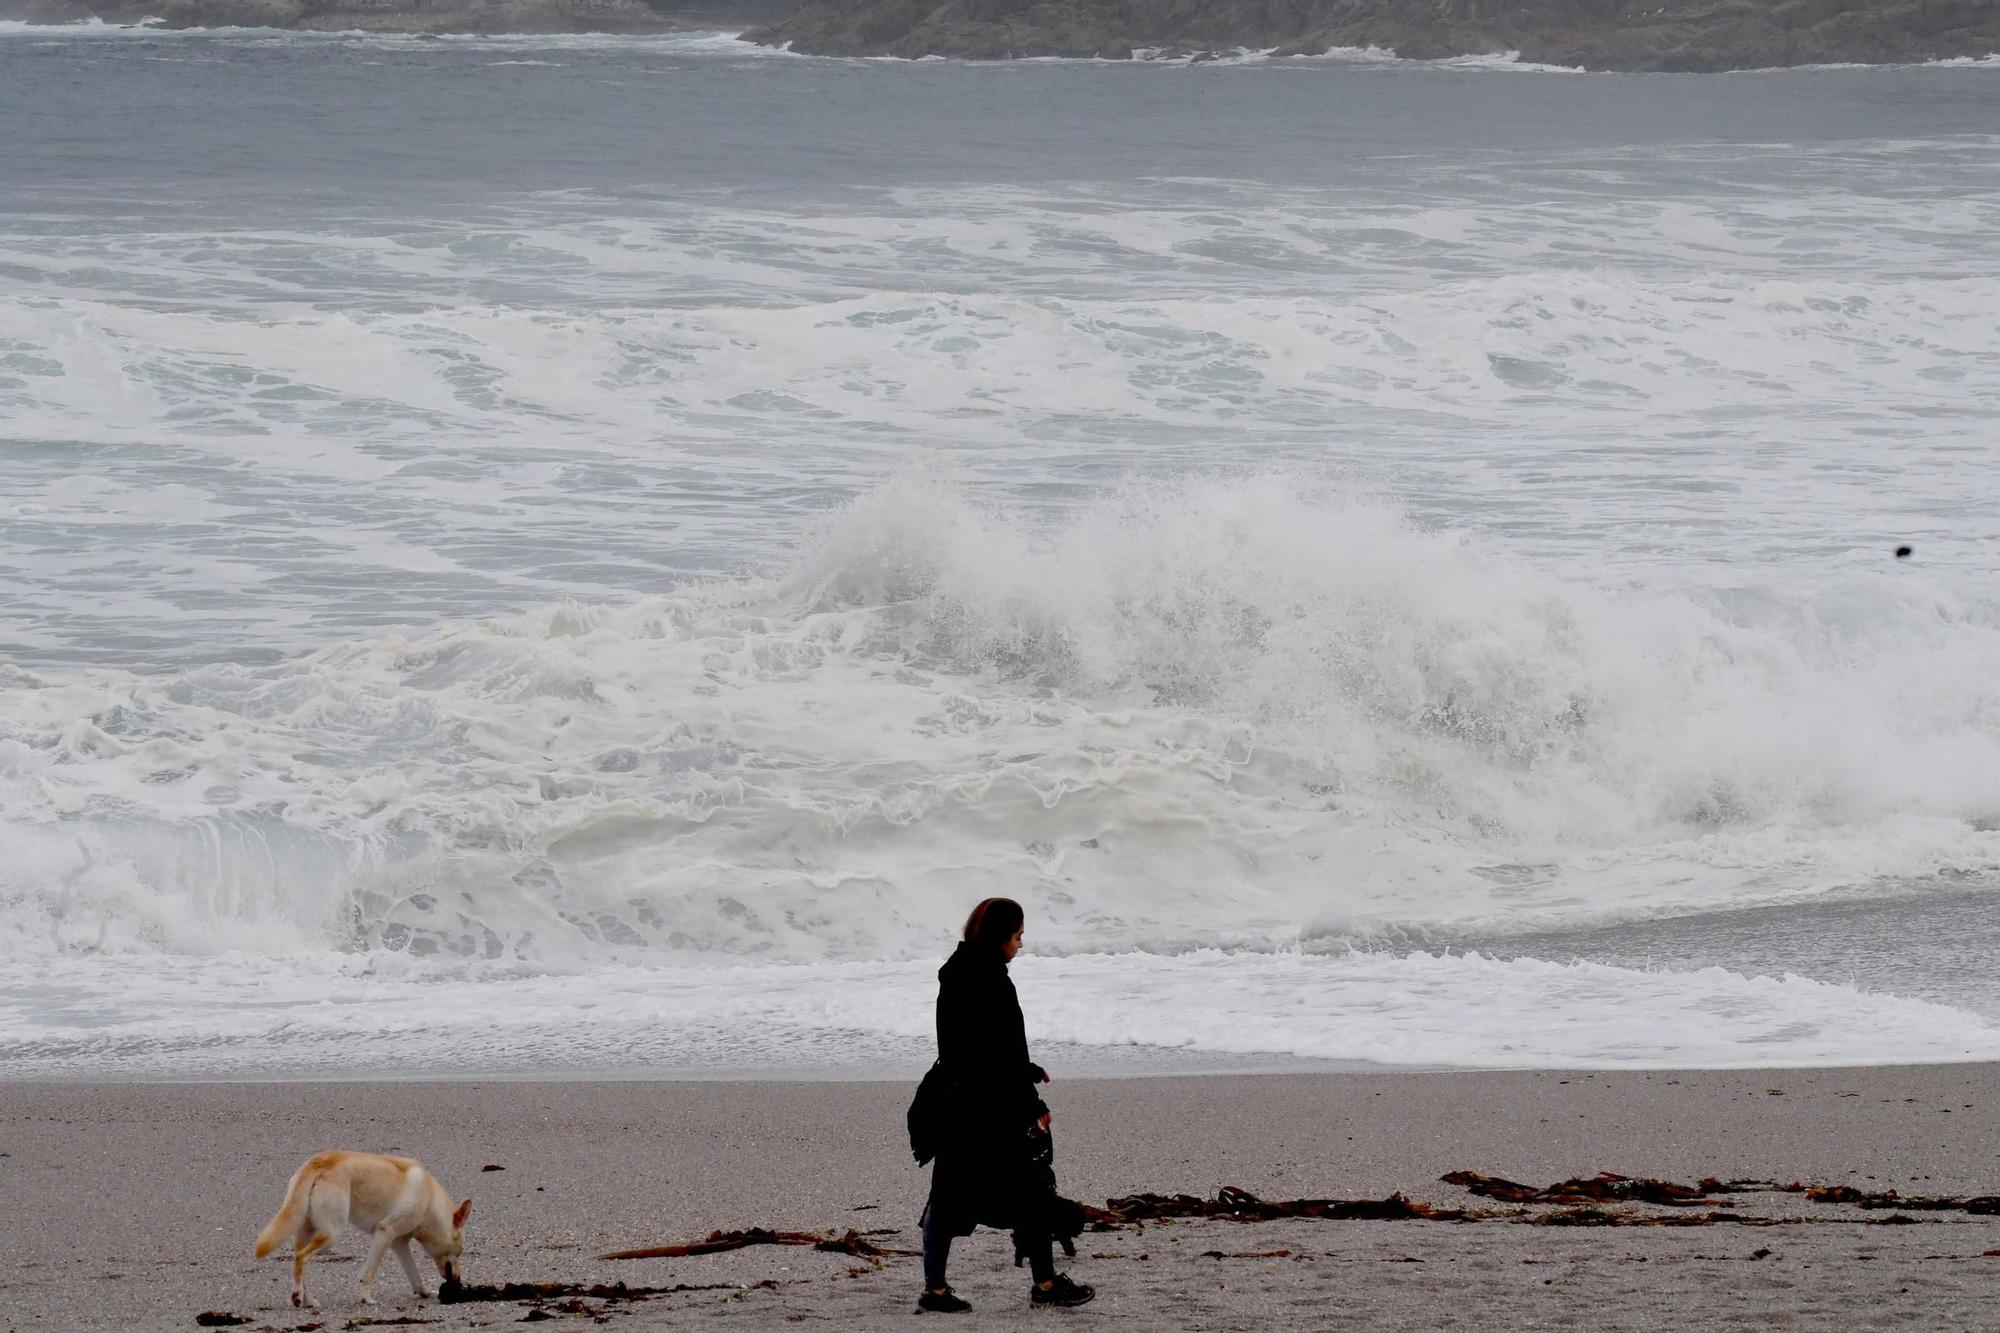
993 923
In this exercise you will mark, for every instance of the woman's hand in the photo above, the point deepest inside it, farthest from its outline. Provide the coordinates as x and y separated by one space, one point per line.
1044 1121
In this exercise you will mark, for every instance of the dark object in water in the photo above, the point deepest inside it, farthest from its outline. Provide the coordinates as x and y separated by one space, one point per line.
1902 553
853 1242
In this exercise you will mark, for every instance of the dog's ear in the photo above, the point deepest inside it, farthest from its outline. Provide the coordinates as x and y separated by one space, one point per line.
464 1211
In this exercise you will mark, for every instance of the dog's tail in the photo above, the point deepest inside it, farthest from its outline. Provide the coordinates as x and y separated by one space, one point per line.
290 1213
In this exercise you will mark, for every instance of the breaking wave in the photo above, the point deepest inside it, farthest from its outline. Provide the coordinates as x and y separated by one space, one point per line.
440 601
1234 712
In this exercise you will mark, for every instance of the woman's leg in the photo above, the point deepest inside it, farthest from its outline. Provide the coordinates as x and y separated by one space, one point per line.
1041 1256
937 1251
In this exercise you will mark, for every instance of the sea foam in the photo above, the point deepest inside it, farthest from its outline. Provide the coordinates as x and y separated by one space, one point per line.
499 594
1215 711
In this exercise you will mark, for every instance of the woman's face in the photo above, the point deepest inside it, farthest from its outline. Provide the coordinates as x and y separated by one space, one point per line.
1013 944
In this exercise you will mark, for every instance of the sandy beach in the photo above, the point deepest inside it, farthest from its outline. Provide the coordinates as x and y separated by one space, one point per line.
561 564
134 1205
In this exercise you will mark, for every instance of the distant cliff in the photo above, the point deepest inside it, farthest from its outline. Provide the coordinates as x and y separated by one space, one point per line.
1594 34
421 16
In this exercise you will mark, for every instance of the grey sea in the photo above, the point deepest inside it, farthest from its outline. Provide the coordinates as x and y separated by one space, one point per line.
556 554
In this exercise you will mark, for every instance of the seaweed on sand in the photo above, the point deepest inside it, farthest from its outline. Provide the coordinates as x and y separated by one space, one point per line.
851 1242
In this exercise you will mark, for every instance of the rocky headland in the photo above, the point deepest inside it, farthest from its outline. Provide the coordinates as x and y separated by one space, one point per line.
1662 35
408 16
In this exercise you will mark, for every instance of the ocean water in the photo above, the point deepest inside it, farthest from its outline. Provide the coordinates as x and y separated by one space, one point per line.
551 555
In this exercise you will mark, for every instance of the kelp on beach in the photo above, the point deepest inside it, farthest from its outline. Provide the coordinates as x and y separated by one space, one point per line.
1603 1200
1578 1201
1240 1205
849 1242
1609 1187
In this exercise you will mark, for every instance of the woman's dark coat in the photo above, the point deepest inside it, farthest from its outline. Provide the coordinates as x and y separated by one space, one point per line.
986 1173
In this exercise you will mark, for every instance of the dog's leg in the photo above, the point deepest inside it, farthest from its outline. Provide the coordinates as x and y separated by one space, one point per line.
310 1242
410 1267
300 1239
385 1236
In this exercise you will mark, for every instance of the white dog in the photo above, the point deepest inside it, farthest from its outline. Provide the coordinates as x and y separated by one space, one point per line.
392 1198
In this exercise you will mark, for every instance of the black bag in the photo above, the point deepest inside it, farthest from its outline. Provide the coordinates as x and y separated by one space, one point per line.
929 1111
1063 1219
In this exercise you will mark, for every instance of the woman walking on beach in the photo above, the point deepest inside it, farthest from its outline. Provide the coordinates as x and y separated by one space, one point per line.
992 1123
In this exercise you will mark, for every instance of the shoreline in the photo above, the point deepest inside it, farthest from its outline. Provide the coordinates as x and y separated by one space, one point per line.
1679 36
137 1202
888 1062
1222 1067
631 18
417 18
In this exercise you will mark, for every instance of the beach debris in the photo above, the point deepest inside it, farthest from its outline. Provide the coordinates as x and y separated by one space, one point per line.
1979 1204
1577 1202
462 1293
1593 1216
493 1166
850 1242
219 1319
1604 1187
575 1305
1240 1205
1609 1187
1578 1217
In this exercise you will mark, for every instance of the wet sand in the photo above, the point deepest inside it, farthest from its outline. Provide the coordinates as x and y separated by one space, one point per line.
135 1205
